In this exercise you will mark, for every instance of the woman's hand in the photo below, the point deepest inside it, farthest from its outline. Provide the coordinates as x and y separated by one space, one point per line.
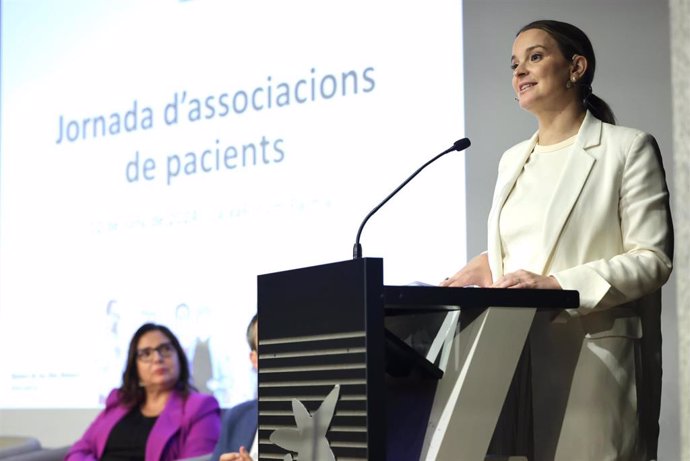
475 272
525 279
243 455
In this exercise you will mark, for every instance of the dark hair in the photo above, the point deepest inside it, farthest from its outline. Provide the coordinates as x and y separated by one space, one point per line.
131 393
250 332
572 41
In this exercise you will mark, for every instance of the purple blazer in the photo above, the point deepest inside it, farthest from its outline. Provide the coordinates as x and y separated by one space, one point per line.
186 428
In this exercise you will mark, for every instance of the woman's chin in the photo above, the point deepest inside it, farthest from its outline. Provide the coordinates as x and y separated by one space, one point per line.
525 102
161 385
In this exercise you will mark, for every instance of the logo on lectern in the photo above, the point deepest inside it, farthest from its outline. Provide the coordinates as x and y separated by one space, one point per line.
309 440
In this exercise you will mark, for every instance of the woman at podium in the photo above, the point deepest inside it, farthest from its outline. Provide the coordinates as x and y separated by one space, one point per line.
582 205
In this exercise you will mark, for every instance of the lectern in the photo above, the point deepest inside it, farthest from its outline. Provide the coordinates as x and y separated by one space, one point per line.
336 382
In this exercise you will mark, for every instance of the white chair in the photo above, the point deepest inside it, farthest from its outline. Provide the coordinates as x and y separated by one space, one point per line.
11 445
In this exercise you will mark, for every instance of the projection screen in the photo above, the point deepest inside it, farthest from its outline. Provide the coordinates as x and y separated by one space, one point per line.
157 156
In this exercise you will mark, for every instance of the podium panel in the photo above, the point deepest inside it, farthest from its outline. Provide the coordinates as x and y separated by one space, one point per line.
319 328
336 384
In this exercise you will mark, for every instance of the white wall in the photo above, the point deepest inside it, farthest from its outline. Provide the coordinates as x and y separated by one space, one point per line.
680 65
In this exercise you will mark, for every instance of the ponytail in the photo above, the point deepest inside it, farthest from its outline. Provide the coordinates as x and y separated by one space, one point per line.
599 108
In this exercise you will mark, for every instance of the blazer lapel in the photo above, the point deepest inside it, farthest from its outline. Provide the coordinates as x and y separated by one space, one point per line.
246 427
166 426
116 414
572 181
576 171
504 185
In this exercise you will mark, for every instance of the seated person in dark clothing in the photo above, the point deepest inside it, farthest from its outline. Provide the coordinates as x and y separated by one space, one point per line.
156 414
238 436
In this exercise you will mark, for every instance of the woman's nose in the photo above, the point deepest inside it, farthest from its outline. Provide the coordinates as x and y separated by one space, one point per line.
519 70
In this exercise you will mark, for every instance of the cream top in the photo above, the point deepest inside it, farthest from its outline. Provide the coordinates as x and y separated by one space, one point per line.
521 222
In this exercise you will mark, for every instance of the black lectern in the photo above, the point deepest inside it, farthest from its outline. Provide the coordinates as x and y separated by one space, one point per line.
330 371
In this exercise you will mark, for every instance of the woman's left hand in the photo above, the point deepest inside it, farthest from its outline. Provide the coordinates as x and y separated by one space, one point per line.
525 279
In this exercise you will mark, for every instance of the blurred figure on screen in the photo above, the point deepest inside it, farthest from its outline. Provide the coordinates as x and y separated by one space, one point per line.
110 371
195 325
239 434
156 414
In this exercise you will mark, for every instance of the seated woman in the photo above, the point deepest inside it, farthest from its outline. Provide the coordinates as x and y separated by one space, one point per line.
156 415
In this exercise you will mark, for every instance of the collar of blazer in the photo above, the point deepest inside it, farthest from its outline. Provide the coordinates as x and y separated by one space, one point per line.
567 192
167 424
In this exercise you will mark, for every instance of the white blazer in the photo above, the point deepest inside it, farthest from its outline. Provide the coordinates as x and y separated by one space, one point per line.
607 233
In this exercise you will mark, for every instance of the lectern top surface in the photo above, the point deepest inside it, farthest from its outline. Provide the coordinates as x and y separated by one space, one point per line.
447 298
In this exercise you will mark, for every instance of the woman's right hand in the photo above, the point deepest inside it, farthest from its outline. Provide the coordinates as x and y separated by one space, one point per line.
243 455
475 272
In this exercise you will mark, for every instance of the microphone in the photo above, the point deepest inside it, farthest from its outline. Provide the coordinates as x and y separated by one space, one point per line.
460 144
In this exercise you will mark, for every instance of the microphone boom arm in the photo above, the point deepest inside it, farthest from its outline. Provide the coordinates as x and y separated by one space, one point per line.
460 144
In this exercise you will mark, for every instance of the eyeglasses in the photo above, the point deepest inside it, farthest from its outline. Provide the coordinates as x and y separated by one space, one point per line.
146 354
